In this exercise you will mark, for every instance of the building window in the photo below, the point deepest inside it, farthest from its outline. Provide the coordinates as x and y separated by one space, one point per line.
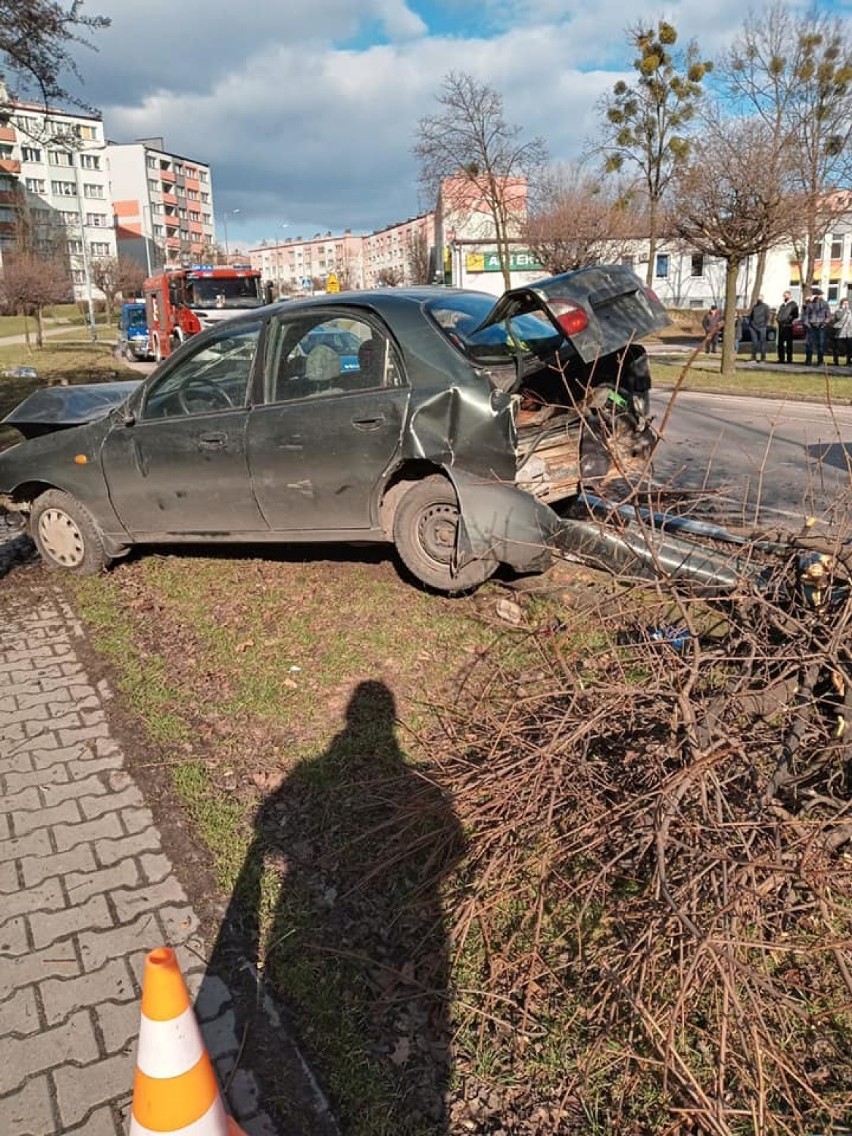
697 268
75 247
35 185
90 161
63 188
93 191
30 154
833 292
59 157
78 276
99 248
836 247
661 270
98 220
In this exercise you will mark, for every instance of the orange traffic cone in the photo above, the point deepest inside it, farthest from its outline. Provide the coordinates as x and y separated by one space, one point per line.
175 1089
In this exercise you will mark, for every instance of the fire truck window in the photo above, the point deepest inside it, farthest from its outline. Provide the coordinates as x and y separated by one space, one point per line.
214 377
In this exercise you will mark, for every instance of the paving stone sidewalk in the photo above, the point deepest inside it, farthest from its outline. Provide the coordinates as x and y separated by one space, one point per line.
86 889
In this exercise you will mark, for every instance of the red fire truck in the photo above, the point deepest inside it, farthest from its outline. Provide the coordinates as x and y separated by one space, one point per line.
182 301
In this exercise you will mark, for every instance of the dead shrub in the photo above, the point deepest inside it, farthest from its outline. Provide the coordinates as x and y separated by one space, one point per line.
653 927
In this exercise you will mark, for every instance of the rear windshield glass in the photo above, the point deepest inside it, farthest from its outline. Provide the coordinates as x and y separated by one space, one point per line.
459 314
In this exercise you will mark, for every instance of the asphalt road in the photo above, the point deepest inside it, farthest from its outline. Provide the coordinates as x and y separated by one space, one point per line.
760 460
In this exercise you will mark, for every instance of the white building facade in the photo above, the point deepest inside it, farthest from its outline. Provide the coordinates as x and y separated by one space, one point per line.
164 212
55 191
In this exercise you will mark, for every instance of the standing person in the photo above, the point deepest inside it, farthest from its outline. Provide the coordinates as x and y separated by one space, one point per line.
738 329
815 317
842 338
787 312
758 323
712 324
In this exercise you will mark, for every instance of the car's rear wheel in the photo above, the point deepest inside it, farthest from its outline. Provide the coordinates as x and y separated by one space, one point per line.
66 535
425 527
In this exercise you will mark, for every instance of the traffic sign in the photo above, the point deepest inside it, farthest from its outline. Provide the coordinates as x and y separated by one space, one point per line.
332 284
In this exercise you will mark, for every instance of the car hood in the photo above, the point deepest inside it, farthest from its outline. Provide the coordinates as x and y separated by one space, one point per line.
618 306
58 408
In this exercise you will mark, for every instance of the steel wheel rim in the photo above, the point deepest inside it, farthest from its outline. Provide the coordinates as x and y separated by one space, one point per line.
436 532
61 538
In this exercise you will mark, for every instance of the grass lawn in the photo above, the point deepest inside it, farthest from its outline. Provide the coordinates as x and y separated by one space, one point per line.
288 699
65 359
766 381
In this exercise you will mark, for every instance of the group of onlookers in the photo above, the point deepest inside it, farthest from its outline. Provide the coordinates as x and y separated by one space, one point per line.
823 329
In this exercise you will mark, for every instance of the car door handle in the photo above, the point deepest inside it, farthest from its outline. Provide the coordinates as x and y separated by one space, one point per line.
211 441
368 423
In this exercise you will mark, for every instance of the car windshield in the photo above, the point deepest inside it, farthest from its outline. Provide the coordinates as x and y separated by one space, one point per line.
459 314
137 318
237 292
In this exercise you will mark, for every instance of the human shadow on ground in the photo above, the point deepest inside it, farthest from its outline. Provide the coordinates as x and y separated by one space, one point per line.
338 905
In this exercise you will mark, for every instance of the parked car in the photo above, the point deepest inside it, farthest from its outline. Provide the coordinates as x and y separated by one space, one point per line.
19 373
133 340
460 429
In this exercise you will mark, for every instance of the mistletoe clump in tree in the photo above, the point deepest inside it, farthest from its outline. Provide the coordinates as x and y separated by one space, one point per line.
647 123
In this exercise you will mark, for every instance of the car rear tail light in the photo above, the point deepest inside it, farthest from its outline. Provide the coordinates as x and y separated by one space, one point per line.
651 294
570 318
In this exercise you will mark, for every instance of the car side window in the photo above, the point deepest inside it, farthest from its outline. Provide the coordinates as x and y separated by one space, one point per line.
214 376
319 356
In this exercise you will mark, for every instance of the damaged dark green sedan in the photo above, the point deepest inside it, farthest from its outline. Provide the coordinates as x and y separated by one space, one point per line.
447 424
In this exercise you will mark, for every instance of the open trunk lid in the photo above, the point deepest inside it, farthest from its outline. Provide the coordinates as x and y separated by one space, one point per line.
618 308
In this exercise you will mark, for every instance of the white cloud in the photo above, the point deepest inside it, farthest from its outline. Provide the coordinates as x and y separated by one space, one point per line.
302 123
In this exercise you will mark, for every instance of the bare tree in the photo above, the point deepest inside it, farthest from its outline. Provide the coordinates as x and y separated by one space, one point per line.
647 125
578 221
793 76
114 275
733 203
471 142
389 277
417 258
30 283
36 42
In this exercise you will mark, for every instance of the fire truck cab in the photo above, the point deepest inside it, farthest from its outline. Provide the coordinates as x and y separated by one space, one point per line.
182 301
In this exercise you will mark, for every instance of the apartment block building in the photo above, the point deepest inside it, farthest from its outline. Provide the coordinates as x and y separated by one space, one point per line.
298 264
54 189
401 253
163 204
391 255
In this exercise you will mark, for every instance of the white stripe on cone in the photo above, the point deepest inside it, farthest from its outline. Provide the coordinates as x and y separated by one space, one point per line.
213 1123
167 1049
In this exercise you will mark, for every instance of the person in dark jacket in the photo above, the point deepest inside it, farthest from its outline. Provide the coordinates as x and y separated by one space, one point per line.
815 317
787 313
758 324
712 324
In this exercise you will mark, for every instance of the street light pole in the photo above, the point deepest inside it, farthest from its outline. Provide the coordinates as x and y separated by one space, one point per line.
147 209
233 213
87 275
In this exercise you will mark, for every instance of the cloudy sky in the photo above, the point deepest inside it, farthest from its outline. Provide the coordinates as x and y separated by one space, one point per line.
307 110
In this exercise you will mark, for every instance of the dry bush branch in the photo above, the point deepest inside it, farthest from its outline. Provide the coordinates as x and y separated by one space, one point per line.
657 902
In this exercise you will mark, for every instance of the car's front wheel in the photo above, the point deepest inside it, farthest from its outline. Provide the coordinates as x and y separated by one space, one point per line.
424 531
66 535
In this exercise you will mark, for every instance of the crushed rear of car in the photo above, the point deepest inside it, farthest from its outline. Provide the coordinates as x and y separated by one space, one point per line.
457 437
